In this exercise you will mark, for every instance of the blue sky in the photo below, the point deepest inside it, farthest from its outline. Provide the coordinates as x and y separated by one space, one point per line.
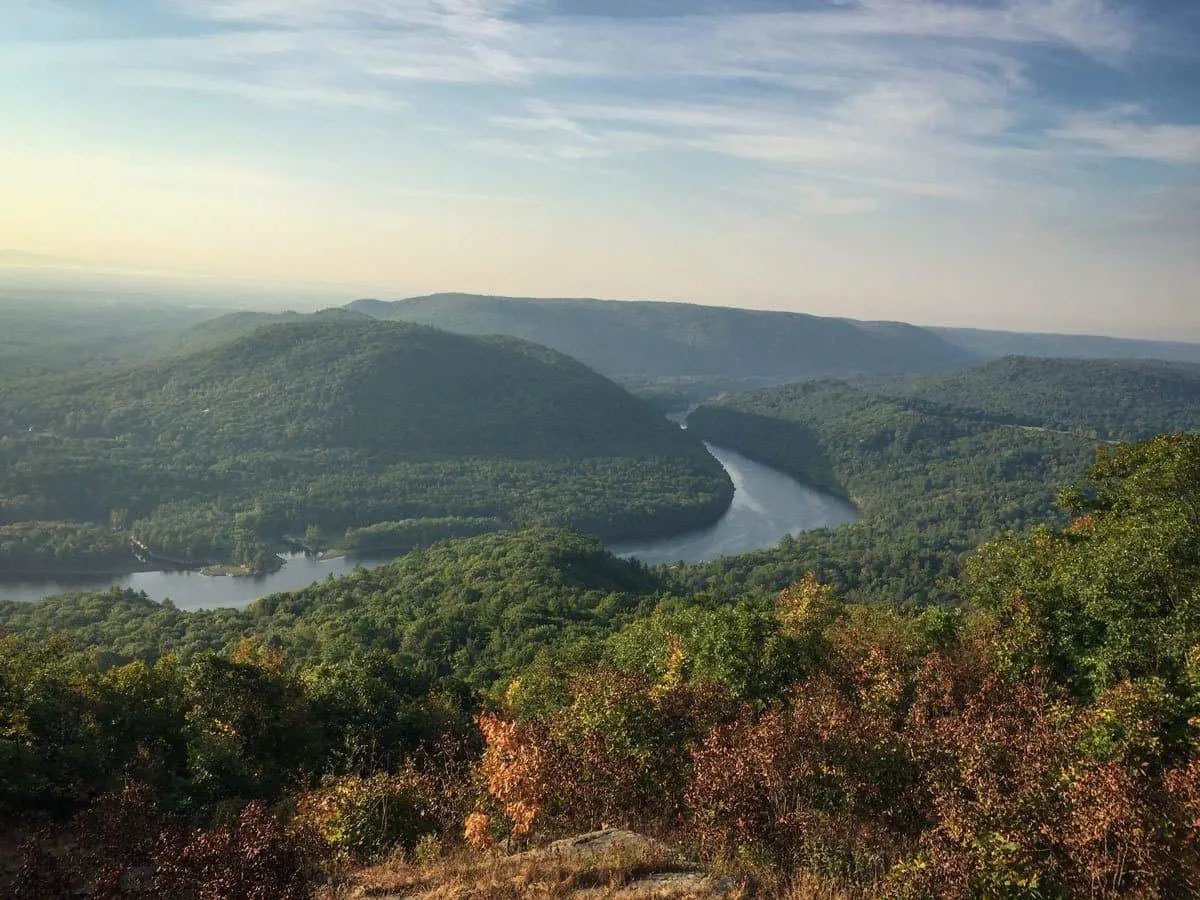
1006 163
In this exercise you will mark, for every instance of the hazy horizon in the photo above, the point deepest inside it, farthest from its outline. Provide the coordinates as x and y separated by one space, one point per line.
228 298
999 164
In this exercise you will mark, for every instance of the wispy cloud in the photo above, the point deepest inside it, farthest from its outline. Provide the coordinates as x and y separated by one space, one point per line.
296 90
1091 26
982 154
924 98
1126 132
511 41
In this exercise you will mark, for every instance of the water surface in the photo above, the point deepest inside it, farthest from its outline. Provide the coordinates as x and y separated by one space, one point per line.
767 505
192 590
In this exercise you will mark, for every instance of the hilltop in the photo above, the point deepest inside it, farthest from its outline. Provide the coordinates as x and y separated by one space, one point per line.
335 422
341 380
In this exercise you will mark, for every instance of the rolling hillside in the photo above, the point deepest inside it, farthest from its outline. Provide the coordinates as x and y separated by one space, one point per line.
336 421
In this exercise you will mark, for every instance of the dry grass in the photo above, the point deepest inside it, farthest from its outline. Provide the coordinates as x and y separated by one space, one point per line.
805 886
617 873
624 873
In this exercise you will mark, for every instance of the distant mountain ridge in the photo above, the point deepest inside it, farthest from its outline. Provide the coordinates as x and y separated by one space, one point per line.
635 339
678 351
639 339
996 344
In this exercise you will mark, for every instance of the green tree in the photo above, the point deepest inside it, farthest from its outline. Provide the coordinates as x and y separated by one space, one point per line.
1116 594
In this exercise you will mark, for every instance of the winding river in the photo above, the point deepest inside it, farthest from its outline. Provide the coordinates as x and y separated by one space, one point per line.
766 506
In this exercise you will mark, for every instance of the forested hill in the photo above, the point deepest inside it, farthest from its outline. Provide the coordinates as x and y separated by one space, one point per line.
1108 399
427 718
474 609
337 421
341 380
626 339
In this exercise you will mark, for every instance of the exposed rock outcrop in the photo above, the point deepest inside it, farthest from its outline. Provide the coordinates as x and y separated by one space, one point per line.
611 863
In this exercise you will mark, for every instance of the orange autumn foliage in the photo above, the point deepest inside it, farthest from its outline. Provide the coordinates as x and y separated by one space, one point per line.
950 780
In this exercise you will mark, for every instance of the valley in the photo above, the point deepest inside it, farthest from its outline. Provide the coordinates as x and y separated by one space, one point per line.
853 568
600 450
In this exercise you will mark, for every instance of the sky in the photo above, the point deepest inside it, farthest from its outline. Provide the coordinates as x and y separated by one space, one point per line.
1020 164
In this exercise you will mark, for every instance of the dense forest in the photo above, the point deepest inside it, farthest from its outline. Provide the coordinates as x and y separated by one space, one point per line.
331 423
473 609
928 486
935 463
987 687
1104 399
1034 739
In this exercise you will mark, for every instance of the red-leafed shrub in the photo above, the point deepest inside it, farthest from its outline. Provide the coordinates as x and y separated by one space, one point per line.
819 781
124 847
255 859
990 753
1113 834
1031 795
1183 796
109 847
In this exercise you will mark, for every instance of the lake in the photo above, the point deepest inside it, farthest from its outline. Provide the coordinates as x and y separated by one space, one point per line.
767 505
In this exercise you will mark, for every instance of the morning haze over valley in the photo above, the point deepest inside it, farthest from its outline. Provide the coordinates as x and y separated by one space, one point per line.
588 448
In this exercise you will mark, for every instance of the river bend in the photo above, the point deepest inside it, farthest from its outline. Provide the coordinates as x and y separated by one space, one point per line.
767 505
